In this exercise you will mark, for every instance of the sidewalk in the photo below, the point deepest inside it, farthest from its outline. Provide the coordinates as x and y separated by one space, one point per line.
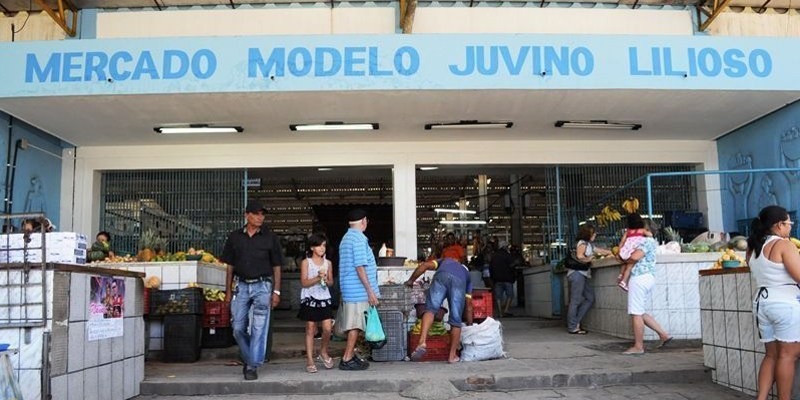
541 355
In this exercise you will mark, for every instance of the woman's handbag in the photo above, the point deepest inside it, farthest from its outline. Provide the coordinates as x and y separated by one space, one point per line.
374 335
572 262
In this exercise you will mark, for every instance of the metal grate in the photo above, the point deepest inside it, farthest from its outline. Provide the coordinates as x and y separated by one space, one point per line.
189 208
23 270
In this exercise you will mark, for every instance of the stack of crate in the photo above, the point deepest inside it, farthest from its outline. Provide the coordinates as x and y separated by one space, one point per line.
183 322
217 331
394 308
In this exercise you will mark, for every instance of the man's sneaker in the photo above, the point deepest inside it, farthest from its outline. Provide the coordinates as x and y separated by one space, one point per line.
354 364
362 362
250 374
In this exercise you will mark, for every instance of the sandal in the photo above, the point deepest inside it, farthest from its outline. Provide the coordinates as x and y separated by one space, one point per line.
664 342
456 360
578 332
418 353
622 285
327 363
311 368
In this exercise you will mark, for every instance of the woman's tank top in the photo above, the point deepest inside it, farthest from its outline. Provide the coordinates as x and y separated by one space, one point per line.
317 291
781 287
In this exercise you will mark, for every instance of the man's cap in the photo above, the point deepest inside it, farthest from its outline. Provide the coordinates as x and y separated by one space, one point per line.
502 244
254 207
356 215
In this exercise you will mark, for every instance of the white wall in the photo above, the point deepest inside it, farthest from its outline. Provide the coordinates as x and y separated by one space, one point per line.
402 156
749 23
552 20
240 22
38 27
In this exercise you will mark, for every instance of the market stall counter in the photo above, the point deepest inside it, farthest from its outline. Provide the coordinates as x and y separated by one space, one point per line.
676 296
78 331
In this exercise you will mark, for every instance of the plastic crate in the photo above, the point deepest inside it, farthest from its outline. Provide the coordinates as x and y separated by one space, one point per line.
217 314
397 297
182 338
217 338
394 325
438 347
177 302
482 304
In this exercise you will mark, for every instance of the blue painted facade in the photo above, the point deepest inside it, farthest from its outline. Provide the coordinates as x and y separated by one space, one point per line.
770 142
37 177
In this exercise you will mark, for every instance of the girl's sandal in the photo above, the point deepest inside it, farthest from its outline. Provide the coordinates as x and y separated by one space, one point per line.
327 363
311 368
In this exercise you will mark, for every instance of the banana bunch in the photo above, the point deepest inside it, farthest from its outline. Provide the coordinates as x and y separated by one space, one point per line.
631 205
214 294
795 242
607 214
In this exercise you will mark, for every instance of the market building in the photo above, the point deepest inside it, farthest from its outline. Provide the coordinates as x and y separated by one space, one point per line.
527 118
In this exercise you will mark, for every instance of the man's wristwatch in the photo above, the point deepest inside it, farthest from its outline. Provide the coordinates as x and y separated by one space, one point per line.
278 292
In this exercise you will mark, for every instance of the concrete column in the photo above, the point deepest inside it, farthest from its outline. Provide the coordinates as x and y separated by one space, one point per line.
66 216
404 201
709 197
483 200
516 214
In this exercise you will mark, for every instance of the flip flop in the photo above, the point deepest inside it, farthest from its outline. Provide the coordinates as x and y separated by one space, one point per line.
664 343
632 353
327 363
578 332
457 360
311 368
418 353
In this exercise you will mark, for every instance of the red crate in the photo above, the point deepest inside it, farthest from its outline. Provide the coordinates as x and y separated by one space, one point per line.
482 304
217 314
146 301
438 347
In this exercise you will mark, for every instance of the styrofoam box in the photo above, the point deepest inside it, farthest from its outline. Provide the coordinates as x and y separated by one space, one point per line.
62 247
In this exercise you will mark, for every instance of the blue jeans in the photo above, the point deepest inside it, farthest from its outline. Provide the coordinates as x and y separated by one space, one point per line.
503 291
581 298
252 344
447 285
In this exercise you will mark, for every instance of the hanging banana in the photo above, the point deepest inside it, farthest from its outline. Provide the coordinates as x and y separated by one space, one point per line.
631 205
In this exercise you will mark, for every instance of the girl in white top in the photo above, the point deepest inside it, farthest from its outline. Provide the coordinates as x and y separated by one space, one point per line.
775 264
315 300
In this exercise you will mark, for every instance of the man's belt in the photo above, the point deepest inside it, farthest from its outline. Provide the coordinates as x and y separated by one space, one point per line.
262 278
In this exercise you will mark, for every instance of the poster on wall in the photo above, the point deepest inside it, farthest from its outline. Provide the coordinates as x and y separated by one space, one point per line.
106 308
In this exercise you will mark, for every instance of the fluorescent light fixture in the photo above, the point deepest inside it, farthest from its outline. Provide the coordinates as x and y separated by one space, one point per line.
458 222
470 124
431 168
598 124
197 128
323 169
335 126
454 211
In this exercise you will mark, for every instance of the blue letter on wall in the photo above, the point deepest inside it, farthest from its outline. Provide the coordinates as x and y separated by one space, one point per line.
52 68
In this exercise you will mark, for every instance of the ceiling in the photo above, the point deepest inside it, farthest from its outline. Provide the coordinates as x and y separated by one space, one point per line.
129 119
23 5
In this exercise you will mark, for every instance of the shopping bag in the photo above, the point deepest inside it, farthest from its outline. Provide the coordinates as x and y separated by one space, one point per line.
374 335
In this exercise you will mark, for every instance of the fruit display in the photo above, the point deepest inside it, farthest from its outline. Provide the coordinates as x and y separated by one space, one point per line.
214 294
795 242
729 255
631 205
151 245
152 282
607 214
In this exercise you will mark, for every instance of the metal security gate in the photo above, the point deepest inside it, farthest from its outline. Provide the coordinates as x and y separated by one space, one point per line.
188 208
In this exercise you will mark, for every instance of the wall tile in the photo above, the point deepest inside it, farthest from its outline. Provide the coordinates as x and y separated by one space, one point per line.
735 367
188 273
105 351
171 286
708 356
91 353
139 367
153 271
58 387
732 329
91 384
128 338
677 323
133 268
30 354
718 319
749 370
104 381
744 292
716 292
30 384
693 324
129 370
674 275
661 298
130 297
171 275
757 345
690 274
138 337
721 357
729 293
691 296
746 331
75 385
75 356
78 297
117 380
117 348
707 326
676 297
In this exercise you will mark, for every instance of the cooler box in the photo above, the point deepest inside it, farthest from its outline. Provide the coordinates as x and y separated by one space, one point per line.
395 328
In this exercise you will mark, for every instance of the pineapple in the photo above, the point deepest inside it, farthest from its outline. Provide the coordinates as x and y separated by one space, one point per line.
672 235
151 245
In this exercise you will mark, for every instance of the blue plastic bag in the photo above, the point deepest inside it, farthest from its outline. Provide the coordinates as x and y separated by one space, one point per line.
374 335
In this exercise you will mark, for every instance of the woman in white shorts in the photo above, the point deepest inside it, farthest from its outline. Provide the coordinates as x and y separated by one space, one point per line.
640 293
775 264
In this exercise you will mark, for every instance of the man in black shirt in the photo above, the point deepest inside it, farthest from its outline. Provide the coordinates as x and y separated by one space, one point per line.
503 277
254 257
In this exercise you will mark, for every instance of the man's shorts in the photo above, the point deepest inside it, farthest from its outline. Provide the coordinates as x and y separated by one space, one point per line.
503 291
351 316
447 286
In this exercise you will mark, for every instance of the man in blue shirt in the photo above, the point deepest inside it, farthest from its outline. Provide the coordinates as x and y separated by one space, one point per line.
358 280
450 282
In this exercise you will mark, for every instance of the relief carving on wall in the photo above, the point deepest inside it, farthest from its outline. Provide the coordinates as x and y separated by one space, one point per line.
790 152
739 185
